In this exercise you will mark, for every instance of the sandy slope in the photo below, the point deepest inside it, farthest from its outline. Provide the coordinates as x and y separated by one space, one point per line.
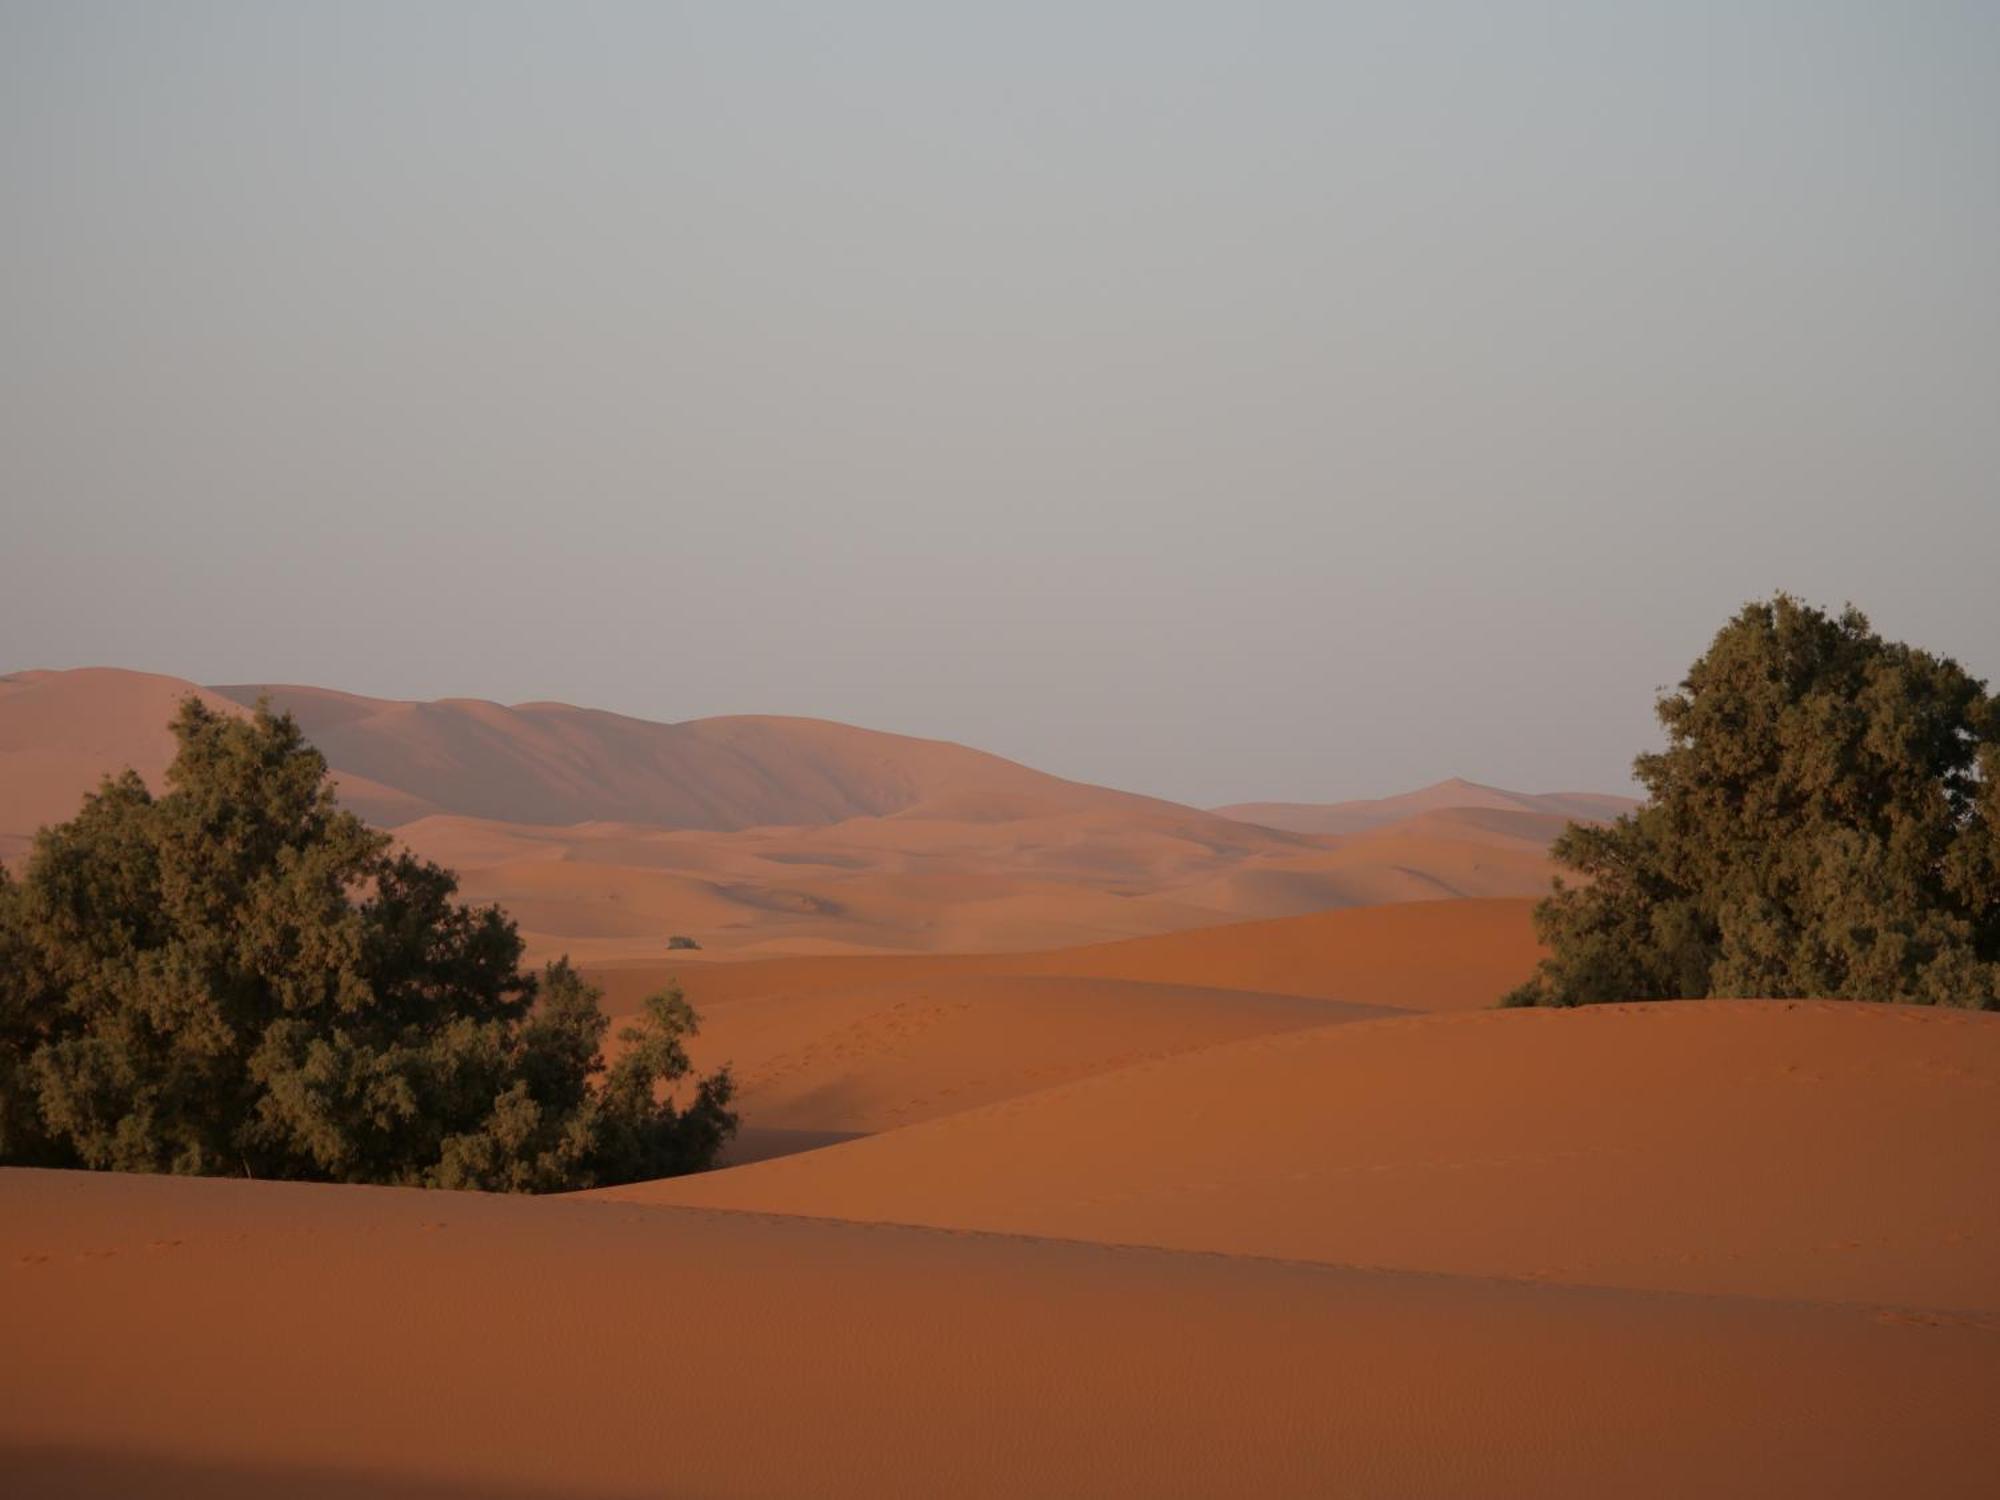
246 1339
1435 955
831 1047
1783 1149
881 1056
554 763
848 1045
63 732
1353 817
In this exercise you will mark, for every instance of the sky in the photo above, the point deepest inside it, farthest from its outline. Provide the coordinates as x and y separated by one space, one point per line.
1219 401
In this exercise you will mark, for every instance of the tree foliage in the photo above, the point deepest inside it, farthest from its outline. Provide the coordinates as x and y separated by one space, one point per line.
238 977
1825 820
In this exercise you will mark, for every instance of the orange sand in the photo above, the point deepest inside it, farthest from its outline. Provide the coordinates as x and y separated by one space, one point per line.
1439 955
1782 1149
176 1337
839 1046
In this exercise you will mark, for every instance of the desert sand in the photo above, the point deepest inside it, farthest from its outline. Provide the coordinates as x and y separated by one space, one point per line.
1091 1231
1836 1152
825 1048
235 1339
605 835
1440 955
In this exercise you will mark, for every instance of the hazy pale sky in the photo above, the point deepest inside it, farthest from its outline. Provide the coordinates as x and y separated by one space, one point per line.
1221 401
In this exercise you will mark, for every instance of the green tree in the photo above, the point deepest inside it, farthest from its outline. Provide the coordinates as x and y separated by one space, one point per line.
1825 820
238 977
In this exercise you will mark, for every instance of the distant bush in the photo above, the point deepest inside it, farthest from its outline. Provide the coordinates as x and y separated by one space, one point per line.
679 940
237 977
1825 820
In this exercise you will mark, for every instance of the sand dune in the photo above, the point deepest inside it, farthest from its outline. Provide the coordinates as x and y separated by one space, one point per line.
554 763
1434 955
613 892
878 884
830 1047
605 835
1784 1149
1353 817
237 1339
61 733
1443 955
885 1055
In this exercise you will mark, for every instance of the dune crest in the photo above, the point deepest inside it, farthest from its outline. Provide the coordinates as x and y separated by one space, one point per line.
1456 793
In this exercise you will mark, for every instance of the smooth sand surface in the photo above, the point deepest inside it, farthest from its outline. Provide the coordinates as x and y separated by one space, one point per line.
61 733
883 1056
826 1047
1782 1149
553 763
1439 955
219 1338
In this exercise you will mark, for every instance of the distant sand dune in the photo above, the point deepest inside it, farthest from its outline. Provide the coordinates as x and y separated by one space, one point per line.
604 835
1354 817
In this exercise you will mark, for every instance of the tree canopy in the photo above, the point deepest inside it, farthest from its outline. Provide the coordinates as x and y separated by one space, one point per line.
1824 821
238 977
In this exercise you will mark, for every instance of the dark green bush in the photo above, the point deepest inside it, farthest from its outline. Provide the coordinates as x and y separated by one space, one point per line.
237 977
1825 820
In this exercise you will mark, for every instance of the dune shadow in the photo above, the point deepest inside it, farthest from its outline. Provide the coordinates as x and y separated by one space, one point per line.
762 1142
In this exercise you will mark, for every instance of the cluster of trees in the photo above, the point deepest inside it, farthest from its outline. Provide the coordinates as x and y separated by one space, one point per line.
1824 820
237 977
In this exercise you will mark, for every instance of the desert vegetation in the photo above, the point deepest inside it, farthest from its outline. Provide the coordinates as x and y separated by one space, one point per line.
1824 821
238 977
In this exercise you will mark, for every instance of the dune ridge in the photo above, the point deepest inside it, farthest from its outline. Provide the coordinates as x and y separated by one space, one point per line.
552 763
1455 793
